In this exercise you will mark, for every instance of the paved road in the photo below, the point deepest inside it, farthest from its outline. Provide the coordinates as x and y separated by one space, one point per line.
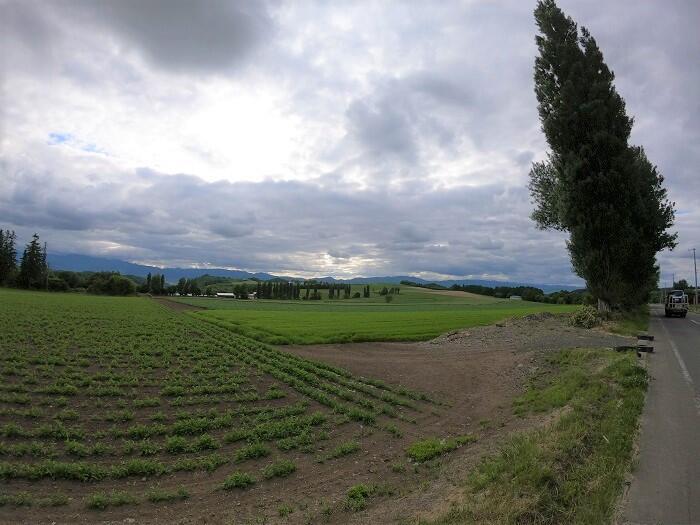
666 486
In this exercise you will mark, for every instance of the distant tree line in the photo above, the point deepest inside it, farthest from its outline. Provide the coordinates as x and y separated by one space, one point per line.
529 293
307 290
430 286
33 272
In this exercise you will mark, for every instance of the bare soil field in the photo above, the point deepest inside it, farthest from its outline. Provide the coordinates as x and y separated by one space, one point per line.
477 373
177 306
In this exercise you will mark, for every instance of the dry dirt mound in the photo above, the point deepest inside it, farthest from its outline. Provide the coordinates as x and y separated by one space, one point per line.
540 331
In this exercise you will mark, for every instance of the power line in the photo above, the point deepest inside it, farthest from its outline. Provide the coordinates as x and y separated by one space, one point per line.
695 264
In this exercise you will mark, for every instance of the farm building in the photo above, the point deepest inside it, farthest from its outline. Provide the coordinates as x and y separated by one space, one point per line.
227 295
515 298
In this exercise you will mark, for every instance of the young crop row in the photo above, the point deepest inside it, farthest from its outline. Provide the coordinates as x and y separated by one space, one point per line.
96 389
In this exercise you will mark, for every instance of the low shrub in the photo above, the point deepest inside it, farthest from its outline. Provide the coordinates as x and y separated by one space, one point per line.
585 317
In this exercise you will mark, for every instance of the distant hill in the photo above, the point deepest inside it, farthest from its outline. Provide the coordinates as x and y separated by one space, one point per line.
87 263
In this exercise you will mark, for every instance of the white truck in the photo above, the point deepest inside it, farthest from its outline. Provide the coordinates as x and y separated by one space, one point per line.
676 303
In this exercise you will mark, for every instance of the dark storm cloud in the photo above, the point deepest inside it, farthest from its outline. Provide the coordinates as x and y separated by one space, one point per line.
180 35
186 35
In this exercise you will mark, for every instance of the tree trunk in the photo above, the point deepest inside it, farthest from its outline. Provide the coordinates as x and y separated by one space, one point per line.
603 306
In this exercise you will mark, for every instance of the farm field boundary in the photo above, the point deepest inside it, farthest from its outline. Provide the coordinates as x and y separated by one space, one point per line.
300 326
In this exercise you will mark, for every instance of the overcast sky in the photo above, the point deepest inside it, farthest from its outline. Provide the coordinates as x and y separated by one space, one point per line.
318 138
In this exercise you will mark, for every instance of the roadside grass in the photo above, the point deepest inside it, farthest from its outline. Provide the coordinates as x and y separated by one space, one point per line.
629 323
571 471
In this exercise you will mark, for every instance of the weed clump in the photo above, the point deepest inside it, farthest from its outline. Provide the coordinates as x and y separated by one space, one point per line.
252 451
238 480
102 500
432 447
358 496
281 469
341 450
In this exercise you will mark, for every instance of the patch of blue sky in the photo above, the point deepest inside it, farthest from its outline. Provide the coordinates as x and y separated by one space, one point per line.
67 139
56 138
92 148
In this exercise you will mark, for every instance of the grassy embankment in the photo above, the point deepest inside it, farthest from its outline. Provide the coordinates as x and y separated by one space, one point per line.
630 323
414 315
573 470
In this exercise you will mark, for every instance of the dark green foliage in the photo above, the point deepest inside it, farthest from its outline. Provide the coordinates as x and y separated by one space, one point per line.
594 185
33 270
154 284
106 283
8 257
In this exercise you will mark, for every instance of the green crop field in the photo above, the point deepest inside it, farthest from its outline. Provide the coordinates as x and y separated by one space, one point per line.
415 314
99 392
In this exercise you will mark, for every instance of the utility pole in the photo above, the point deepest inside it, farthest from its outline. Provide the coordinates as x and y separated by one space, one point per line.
695 264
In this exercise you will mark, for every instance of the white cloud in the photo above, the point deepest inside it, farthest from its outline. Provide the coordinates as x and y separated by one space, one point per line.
315 137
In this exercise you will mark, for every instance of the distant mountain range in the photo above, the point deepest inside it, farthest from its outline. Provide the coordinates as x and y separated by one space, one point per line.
87 263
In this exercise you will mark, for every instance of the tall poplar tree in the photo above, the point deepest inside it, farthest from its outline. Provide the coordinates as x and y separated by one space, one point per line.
602 191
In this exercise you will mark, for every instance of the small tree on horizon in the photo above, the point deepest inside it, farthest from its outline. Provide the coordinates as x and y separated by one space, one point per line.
33 269
8 256
594 185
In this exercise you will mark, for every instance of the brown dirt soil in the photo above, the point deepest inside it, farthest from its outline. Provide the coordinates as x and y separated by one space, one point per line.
177 306
478 373
475 374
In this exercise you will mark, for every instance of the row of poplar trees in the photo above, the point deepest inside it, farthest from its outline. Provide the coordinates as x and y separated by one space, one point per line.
293 290
594 184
